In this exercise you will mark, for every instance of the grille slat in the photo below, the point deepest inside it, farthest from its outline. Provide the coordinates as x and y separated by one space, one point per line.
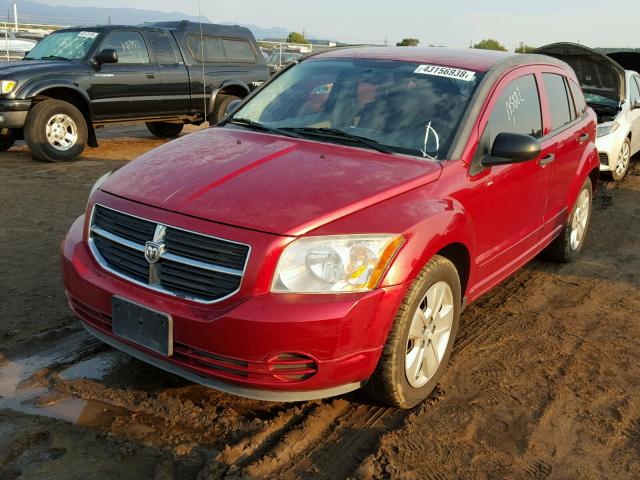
125 232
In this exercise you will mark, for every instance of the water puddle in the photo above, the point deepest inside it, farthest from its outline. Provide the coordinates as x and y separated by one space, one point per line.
94 368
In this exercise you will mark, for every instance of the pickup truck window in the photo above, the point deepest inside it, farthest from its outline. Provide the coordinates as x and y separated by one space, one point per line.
238 50
163 47
69 45
129 45
213 51
517 110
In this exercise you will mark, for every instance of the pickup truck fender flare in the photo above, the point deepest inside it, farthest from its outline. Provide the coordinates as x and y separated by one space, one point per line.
235 87
589 167
56 89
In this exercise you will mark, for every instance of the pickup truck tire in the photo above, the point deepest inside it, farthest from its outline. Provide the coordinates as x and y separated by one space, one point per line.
7 139
165 130
222 103
55 131
404 376
569 243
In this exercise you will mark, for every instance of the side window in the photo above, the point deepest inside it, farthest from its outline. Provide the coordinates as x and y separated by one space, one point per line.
517 110
238 50
578 97
129 45
572 107
206 49
634 94
558 100
163 47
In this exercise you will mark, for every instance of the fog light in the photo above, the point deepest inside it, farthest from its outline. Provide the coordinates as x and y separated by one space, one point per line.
1 118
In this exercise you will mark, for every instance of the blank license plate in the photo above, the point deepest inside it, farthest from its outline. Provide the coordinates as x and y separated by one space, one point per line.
141 325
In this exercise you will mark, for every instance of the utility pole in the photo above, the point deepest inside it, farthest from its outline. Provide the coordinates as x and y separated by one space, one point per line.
15 15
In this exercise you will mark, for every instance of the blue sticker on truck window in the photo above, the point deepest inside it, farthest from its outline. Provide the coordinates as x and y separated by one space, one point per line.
446 72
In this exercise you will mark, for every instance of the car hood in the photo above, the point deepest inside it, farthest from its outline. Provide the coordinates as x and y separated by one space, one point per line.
265 182
596 72
27 68
627 60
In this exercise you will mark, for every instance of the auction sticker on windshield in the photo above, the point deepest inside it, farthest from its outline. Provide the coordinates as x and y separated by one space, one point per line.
88 34
447 72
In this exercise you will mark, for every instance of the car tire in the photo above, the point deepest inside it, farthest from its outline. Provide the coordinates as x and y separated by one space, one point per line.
623 161
7 139
165 130
55 131
569 243
403 378
221 106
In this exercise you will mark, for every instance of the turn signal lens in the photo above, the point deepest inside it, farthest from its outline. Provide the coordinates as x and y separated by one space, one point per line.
7 86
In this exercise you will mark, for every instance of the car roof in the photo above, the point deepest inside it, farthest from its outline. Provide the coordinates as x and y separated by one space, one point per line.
473 59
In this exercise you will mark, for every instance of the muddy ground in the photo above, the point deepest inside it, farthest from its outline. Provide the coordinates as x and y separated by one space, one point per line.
544 381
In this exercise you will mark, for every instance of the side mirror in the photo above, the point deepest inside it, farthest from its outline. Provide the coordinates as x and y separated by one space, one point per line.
512 148
108 55
232 107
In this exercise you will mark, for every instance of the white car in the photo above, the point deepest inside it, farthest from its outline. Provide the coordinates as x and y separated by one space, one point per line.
614 94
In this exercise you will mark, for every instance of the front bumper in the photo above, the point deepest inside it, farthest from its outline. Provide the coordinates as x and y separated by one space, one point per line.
13 113
231 345
609 147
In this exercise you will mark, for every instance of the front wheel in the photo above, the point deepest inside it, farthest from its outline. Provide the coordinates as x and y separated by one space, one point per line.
623 162
7 139
55 131
221 106
569 243
421 338
165 130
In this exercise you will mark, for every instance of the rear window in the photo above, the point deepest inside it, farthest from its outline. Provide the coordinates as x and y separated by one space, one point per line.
578 97
216 49
163 48
558 100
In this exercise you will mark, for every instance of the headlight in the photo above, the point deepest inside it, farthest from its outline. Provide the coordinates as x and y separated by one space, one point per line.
99 183
333 264
607 129
7 86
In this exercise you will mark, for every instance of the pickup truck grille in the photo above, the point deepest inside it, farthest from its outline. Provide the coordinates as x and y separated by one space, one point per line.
188 264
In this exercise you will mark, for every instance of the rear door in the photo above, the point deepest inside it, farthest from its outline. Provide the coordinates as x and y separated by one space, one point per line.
515 195
568 129
174 85
127 89
634 113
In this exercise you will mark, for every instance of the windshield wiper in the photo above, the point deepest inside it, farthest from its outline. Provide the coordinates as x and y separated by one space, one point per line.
337 134
245 122
53 57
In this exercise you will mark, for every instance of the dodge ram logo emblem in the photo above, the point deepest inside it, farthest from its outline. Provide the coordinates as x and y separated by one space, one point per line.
153 251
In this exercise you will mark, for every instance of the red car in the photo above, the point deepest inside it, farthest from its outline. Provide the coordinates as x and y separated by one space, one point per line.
327 234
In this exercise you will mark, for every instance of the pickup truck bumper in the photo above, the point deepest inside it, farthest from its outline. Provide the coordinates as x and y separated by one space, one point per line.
13 113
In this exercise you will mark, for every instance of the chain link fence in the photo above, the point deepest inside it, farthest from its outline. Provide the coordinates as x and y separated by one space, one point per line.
280 54
16 39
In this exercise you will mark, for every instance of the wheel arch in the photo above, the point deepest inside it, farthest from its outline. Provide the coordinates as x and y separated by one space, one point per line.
228 87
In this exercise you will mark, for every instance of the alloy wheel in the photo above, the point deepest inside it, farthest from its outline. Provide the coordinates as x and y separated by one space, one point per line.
62 132
580 219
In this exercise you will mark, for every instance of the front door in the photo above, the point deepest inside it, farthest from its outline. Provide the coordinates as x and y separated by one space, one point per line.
126 89
515 195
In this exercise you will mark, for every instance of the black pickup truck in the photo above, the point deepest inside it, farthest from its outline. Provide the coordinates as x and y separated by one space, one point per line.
165 74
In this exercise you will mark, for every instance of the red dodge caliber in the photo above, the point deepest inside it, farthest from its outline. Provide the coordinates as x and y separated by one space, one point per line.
326 235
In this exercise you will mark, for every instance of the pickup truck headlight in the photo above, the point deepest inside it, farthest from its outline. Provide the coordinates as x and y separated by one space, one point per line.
606 129
98 184
335 264
7 86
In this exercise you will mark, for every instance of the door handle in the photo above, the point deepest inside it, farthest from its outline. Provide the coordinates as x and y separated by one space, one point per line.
583 138
151 75
543 162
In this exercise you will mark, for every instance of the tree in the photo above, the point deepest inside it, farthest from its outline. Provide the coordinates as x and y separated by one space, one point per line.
295 37
524 48
490 44
408 42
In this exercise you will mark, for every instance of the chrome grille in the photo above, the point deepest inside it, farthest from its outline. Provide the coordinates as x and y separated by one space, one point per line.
188 265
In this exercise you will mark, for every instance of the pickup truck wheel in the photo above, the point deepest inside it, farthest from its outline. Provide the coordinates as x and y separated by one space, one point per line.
421 338
7 139
623 162
55 131
222 104
567 246
165 130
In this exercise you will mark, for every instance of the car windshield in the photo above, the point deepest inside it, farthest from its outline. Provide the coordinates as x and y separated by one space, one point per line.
69 45
600 100
400 106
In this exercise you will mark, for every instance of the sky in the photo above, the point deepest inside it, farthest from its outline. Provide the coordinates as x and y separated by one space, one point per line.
456 23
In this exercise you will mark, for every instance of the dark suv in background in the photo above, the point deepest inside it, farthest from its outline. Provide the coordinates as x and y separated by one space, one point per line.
165 74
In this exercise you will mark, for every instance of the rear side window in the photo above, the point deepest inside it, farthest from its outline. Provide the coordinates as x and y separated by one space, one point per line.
558 100
238 50
206 48
578 97
517 110
129 45
163 47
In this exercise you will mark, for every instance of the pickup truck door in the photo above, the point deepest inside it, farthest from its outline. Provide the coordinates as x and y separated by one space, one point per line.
174 85
515 195
128 88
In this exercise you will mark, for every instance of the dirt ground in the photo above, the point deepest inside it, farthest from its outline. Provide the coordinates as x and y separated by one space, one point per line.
544 381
